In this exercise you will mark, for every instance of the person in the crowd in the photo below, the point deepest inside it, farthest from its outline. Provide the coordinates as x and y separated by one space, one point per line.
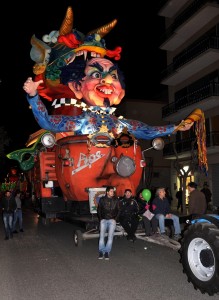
150 221
128 214
161 209
18 214
207 192
168 195
8 207
197 201
107 211
179 196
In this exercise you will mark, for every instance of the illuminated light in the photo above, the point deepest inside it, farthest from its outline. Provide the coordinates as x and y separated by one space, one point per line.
184 170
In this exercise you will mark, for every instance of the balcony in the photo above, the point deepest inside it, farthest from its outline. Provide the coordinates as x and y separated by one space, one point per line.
169 8
183 147
203 94
192 60
189 22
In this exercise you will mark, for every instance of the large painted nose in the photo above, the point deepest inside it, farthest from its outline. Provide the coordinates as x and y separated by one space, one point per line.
107 79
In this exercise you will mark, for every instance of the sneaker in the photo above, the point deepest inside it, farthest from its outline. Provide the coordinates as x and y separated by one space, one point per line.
15 231
100 255
106 256
21 230
6 238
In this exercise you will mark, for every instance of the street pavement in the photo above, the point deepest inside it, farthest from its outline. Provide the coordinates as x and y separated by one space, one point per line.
44 263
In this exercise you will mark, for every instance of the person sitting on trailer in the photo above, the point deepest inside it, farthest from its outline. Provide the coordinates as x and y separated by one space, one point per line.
161 209
150 221
128 214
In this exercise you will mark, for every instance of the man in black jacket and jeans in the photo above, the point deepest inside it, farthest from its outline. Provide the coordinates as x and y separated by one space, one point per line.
107 211
8 207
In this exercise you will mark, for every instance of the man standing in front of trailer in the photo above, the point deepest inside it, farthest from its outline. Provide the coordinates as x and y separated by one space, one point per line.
107 211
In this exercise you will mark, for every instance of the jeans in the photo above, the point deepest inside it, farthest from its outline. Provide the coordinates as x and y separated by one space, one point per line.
8 223
106 226
18 217
175 219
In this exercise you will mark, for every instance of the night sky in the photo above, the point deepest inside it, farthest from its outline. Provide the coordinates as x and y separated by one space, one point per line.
138 32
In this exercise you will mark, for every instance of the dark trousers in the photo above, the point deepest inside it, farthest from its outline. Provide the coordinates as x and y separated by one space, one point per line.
150 225
180 205
130 224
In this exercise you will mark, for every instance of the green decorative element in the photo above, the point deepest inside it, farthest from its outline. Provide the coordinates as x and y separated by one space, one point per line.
19 155
10 186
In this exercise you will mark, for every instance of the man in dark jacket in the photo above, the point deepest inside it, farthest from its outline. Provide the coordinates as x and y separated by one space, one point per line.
206 191
197 202
161 209
8 207
128 214
107 211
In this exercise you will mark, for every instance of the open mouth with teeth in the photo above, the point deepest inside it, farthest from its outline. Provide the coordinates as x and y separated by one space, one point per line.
103 91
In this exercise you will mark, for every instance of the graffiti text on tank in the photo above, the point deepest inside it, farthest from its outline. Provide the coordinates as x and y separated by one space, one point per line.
87 160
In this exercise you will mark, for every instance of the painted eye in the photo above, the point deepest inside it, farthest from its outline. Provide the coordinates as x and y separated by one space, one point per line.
96 75
114 76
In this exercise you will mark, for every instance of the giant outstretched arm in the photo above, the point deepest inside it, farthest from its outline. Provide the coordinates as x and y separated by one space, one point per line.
89 122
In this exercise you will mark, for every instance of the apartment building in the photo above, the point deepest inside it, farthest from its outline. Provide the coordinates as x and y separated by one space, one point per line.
191 43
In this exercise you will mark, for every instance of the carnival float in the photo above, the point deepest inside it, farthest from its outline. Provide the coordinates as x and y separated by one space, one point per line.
82 144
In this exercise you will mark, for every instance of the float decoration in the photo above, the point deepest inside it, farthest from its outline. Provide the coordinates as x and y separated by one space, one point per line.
61 47
21 154
197 116
124 139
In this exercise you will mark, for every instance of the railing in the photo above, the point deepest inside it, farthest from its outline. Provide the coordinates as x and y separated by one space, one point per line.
184 145
184 16
205 87
202 45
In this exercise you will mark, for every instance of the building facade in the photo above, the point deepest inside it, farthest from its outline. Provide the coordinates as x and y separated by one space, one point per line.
191 43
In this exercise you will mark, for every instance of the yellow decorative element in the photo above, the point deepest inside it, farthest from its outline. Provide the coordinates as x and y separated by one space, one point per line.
105 29
67 24
126 135
90 48
200 132
34 137
197 115
193 117
104 132
39 69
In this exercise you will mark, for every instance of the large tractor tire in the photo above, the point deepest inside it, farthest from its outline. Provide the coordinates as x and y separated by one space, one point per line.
200 257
